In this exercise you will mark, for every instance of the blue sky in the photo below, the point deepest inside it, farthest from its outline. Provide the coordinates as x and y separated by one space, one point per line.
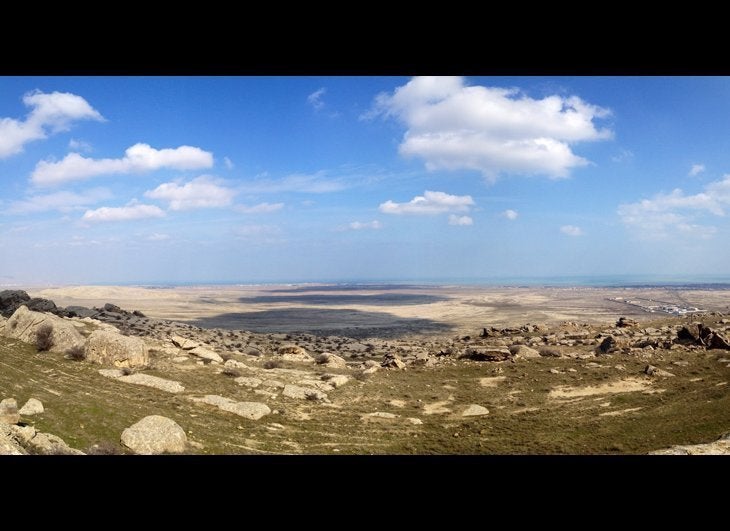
245 179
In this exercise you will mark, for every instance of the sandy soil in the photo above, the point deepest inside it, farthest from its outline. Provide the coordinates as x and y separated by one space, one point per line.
377 310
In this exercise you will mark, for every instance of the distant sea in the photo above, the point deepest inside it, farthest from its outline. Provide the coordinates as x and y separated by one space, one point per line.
605 281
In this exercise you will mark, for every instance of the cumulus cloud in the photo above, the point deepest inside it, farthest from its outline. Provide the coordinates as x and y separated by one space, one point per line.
571 230
50 113
261 208
674 213
460 220
453 126
139 158
430 203
201 192
359 225
696 169
130 212
61 201
510 214
315 99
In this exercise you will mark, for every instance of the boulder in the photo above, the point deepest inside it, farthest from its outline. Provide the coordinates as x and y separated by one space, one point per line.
153 435
650 370
331 361
295 353
183 343
206 354
488 353
248 410
9 411
475 410
392 361
169 386
609 344
625 322
109 348
41 305
79 311
524 351
10 300
108 307
32 407
303 393
336 380
24 325
248 381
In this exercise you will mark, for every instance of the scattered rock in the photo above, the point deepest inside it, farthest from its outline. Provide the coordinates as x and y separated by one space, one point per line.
8 444
608 345
184 343
379 415
206 354
295 353
248 381
331 361
9 411
154 435
32 407
625 322
109 348
650 370
156 382
488 354
475 410
524 351
248 410
415 421
392 361
303 393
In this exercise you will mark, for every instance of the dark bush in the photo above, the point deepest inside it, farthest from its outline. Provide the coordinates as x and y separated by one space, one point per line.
272 364
43 339
76 353
322 359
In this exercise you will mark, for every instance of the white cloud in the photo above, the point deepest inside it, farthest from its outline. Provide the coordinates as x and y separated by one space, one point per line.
674 213
201 192
510 214
61 201
571 230
79 145
359 225
696 169
316 183
138 158
261 208
315 99
623 156
228 162
51 113
460 220
130 212
493 130
430 203
158 237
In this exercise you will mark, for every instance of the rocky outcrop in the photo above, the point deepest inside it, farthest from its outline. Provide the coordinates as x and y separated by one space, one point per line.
331 361
206 354
10 300
8 444
169 386
24 325
701 335
110 348
49 444
154 435
625 322
475 410
488 353
303 393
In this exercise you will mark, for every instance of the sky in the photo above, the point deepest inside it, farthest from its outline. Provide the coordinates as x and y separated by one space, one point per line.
306 179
